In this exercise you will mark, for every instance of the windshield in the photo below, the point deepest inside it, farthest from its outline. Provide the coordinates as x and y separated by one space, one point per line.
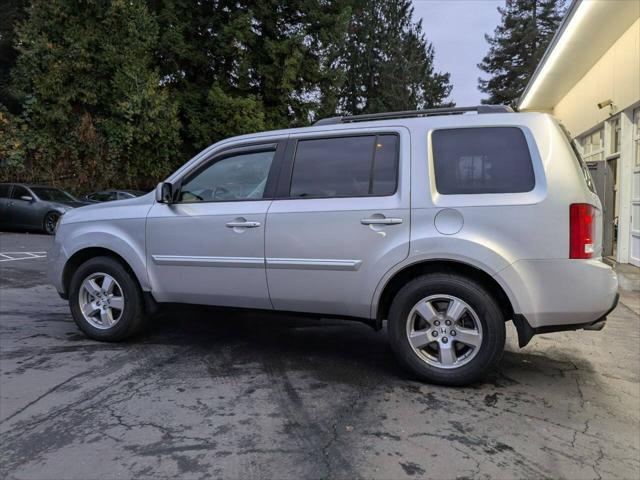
52 194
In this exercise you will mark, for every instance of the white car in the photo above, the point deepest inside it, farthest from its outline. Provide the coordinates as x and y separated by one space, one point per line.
445 223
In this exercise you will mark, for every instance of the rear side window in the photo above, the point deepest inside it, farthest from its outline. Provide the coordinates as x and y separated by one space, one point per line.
482 160
355 166
4 190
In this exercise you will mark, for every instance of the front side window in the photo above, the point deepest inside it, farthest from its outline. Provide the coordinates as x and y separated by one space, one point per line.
19 192
237 177
355 166
482 160
52 194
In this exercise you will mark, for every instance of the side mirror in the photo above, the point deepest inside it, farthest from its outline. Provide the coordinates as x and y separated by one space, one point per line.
164 193
27 198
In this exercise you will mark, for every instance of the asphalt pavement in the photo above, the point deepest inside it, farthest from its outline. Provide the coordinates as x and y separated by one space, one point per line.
203 395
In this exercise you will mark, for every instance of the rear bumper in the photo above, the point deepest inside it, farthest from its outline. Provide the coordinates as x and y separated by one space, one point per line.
560 292
526 332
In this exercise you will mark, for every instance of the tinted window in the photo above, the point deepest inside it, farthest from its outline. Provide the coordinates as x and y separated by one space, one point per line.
102 196
345 167
482 160
52 194
19 191
240 177
385 166
4 190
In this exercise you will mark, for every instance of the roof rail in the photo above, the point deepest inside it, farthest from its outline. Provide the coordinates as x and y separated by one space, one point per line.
480 109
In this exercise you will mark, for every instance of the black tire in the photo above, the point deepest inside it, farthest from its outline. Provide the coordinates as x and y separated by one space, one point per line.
478 298
133 318
50 222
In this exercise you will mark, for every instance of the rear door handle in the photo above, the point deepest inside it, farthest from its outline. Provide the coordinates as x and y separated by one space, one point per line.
381 221
245 224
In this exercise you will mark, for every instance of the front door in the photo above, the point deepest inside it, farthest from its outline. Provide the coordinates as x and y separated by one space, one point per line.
208 246
24 213
341 223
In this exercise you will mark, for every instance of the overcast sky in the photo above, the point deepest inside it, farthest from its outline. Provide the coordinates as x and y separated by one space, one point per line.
456 28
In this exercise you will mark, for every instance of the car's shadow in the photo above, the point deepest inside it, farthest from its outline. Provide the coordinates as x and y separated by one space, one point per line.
334 349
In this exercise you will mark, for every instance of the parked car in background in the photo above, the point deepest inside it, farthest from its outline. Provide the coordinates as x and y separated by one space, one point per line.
109 195
445 224
34 207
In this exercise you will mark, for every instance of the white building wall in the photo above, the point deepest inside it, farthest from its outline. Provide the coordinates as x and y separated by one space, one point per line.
616 77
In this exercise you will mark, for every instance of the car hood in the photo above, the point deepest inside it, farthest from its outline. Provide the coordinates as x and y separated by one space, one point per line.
114 210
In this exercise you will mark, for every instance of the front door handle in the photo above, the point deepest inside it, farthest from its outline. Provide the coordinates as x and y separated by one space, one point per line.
242 224
381 221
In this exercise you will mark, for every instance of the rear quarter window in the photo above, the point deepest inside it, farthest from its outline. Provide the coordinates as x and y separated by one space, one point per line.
481 160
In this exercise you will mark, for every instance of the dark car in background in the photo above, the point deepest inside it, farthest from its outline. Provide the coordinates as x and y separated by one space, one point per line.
109 195
34 207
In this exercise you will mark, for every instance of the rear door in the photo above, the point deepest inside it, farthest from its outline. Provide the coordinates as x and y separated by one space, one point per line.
340 222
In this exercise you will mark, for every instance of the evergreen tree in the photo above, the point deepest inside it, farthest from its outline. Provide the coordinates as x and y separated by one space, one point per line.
94 109
239 66
388 61
517 46
12 11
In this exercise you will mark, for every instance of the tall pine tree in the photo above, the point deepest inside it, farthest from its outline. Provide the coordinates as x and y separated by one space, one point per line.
517 46
388 62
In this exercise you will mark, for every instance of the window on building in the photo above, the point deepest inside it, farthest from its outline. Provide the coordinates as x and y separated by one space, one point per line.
355 166
593 146
614 146
636 134
482 160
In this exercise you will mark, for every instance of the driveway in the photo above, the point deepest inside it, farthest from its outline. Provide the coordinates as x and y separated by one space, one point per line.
247 396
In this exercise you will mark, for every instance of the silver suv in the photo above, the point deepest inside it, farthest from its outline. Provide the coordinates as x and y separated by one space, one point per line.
445 223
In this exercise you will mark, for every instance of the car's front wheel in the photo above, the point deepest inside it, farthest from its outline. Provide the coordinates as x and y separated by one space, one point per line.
105 300
446 328
50 222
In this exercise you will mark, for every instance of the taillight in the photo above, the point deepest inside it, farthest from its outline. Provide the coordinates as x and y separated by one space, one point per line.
582 230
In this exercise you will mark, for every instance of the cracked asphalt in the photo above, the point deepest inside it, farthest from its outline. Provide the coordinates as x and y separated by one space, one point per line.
204 395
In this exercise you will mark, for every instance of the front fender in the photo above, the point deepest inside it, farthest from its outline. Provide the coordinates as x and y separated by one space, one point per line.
125 237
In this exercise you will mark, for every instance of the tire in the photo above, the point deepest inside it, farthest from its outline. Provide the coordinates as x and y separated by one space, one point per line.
120 323
50 222
441 296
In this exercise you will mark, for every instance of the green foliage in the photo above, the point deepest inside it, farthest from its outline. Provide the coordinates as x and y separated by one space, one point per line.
388 61
517 46
95 111
117 93
11 12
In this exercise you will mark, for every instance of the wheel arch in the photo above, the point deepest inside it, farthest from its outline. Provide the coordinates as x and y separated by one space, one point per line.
411 271
82 255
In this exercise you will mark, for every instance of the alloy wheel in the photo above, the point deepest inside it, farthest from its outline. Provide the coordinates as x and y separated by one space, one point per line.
444 331
101 300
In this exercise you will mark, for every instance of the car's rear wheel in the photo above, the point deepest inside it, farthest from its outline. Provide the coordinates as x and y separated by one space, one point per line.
447 329
50 222
105 300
